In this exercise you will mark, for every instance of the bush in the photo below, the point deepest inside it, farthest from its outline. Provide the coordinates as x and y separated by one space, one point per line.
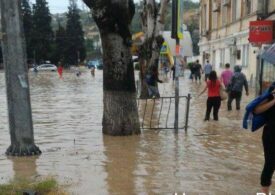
45 187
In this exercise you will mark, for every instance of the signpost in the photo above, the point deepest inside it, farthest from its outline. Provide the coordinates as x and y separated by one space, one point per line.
177 33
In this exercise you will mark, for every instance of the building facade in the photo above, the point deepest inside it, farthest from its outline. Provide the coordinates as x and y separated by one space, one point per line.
224 30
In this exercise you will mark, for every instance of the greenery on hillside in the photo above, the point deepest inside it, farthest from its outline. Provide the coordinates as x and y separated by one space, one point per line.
51 37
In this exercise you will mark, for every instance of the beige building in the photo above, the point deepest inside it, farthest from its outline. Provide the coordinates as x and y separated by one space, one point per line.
224 29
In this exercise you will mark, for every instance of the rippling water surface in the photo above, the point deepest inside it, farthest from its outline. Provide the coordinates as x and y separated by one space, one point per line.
211 158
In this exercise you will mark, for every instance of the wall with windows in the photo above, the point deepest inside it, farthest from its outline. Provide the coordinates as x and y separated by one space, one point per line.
227 41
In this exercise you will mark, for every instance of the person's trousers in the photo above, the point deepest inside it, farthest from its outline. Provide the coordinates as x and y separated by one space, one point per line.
215 103
153 91
197 76
234 95
206 76
268 139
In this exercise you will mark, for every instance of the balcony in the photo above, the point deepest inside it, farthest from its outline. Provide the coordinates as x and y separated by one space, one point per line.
226 2
204 33
216 7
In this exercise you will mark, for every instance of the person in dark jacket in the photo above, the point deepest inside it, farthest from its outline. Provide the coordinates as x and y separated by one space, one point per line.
237 82
268 138
152 79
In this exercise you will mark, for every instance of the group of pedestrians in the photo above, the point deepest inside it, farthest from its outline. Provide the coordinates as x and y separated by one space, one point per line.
232 82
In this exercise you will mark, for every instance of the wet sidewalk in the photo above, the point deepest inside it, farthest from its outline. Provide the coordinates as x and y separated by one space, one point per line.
211 158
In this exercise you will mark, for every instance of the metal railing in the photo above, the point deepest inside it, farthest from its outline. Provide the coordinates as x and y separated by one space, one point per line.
159 113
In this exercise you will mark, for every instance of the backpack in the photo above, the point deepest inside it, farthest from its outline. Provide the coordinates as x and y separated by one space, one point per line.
252 121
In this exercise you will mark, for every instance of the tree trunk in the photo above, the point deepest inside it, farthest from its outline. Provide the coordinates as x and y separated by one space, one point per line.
18 95
120 108
120 115
153 25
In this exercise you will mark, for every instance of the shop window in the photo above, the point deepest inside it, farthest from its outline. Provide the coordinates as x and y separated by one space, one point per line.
239 54
245 55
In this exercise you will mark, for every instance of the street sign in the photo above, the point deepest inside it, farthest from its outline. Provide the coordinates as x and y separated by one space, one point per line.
261 32
177 19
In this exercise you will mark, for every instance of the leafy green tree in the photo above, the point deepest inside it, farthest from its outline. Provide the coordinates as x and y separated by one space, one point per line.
75 44
42 31
28 26
60 44
193 28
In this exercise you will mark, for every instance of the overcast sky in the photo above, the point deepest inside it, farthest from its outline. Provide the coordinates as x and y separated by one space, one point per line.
60 6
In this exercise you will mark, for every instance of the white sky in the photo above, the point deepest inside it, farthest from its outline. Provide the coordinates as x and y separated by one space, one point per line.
60 6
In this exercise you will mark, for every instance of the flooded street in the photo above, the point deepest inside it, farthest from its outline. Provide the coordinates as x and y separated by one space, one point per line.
211 158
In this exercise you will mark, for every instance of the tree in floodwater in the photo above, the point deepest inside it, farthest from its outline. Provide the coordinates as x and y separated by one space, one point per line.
153 18
113 18
18 94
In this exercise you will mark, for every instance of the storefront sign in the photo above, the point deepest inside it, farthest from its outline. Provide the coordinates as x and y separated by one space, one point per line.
261 32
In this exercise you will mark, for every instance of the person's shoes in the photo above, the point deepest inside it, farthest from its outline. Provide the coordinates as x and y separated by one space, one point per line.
238 108
206 119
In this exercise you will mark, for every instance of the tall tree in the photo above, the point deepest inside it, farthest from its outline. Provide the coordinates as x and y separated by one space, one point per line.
60 43
113 18
42 31
18 93
27 25
153 18
75 46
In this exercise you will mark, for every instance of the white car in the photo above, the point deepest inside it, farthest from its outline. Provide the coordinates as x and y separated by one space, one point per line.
44 67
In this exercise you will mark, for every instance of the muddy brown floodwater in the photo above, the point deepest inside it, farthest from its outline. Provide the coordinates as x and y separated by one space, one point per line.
211 158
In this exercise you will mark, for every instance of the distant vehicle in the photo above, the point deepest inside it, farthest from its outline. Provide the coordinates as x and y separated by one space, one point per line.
98 64
44 67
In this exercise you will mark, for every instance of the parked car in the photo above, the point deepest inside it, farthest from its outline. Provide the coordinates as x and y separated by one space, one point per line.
98 64
44 67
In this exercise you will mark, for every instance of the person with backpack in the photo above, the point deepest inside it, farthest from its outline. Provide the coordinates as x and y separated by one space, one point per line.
198 71
152 79
207 70
268 139
214 99
235 88
226 75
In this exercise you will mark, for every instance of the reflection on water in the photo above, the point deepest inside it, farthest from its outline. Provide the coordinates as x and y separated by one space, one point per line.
211 158
24 168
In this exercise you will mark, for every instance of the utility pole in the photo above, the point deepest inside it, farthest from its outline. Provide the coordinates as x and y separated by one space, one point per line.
177 34
17 84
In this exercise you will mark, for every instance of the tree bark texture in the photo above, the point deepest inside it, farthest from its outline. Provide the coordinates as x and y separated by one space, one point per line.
18 95
153 24
120 114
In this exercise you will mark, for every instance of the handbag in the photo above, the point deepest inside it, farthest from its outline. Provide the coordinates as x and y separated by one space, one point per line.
223 93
